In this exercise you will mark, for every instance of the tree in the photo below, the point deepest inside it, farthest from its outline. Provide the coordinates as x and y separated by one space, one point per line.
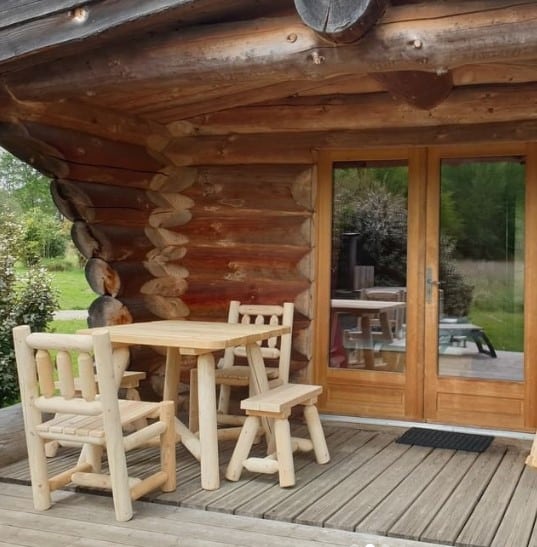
26 186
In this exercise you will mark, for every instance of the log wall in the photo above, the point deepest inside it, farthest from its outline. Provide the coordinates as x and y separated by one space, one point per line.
173 241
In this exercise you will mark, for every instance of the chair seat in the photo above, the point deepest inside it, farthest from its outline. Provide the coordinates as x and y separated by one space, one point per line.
281 398
241 373
70 424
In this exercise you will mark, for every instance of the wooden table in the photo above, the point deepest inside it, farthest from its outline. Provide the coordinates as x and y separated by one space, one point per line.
365 309
200 338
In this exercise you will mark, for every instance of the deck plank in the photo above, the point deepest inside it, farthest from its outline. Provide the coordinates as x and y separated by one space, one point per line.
449 521
371 483
518 522
260 486
481 527
361 469
414 521
67 523
397 502
364 501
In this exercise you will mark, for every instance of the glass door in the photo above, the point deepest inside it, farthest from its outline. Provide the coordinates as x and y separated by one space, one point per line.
370 207
475 288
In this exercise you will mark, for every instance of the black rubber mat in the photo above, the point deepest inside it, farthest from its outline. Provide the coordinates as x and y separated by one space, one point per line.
445 439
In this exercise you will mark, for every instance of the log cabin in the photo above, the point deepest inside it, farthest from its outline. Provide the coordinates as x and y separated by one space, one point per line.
201 148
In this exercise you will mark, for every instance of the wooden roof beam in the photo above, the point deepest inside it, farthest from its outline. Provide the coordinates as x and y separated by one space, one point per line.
340 21
32 31
83 117
465 105
283 48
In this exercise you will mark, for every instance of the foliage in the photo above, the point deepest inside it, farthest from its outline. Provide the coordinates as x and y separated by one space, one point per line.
371 203
26 299
26 192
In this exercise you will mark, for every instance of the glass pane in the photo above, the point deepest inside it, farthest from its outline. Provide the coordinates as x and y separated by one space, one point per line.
368 286
481 305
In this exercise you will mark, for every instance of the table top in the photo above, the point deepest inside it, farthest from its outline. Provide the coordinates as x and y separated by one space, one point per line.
371 306
192 337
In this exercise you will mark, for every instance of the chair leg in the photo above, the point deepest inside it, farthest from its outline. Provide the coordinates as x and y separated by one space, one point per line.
316 432
284 452
38 472
119 478
193 410
223 399
242 448
167 446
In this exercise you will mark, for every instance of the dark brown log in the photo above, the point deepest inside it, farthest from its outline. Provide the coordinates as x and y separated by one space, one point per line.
207 297
233 259
248 226
107 310
340 21
51 28
118 279
273 186
296 148
43 157
110 243
438 41
100 122
469 105
423 90
81 148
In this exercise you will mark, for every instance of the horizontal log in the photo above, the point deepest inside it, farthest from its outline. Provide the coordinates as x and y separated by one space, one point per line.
107 310
165 286
250 227
102 203
467 105
110 243
295 148
118 279
278 188
208 296
80 116
282 48
81 148
207 256
40 31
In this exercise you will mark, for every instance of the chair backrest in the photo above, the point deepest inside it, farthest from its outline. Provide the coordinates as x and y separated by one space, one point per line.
74 391
274 348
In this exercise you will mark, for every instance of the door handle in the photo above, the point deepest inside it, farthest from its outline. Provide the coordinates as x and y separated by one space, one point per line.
429 284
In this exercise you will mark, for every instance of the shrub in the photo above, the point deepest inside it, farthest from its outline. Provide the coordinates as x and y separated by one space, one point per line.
28 299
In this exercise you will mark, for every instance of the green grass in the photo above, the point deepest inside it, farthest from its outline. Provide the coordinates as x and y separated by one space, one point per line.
67 327
73 289
505 330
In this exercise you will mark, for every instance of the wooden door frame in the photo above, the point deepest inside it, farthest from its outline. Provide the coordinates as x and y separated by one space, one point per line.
499 404
411 384
391 395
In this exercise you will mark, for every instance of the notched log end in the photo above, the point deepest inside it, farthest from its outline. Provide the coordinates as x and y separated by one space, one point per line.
340 21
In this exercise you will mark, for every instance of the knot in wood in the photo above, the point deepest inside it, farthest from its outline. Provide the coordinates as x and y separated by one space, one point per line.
292 38
317 58
418 44
79 15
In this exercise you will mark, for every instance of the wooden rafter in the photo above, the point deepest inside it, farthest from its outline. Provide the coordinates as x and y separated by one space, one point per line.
30 30
465 105
284 48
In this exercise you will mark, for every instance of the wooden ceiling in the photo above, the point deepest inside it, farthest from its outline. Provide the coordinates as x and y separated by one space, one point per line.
212 67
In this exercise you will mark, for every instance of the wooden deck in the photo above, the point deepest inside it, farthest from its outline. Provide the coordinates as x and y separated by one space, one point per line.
372 485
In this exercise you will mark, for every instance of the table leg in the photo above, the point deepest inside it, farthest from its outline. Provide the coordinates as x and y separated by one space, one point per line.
369 353
171 376
210 476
